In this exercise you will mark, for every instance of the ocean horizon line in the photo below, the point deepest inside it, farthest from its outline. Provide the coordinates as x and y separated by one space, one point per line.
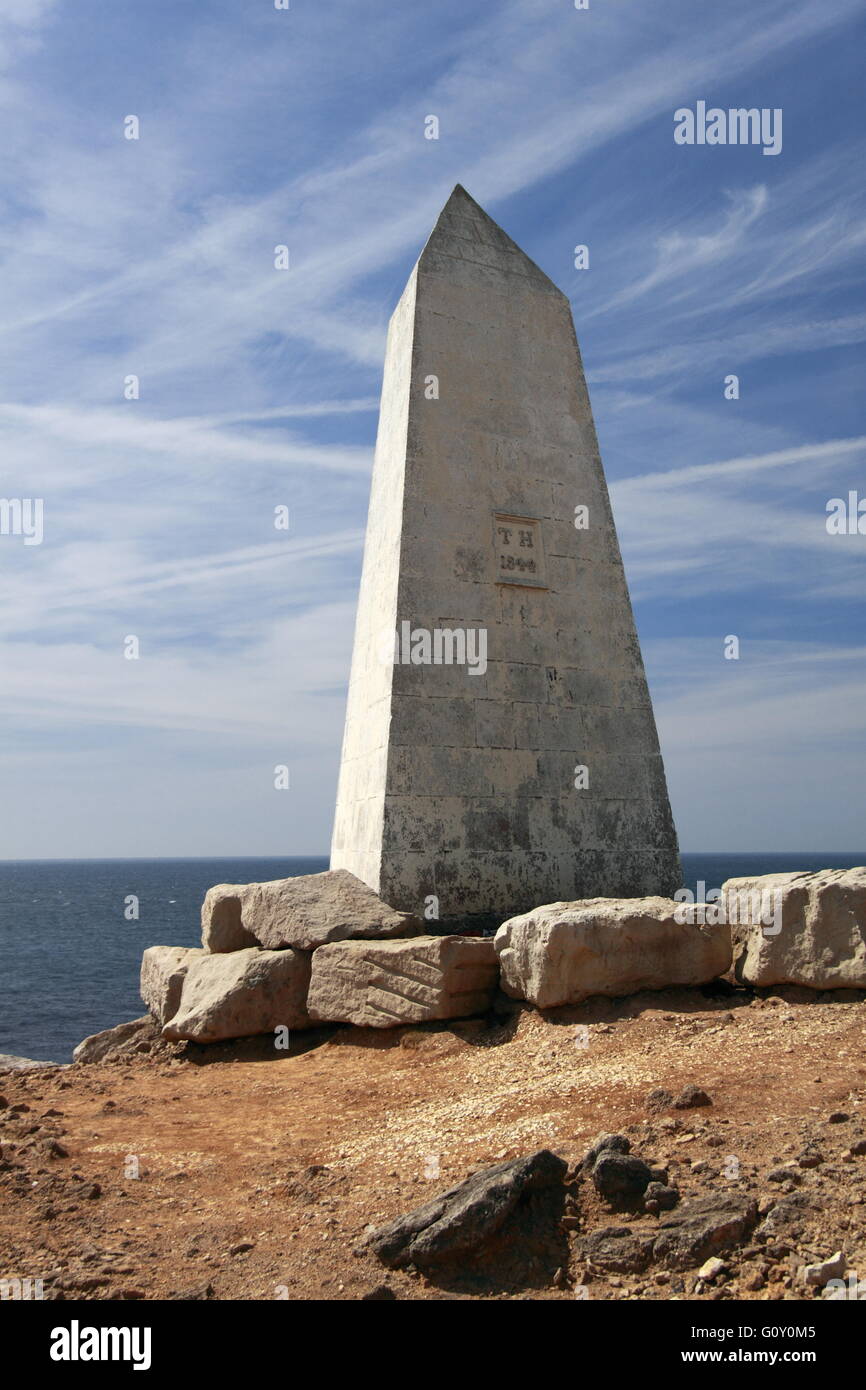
257 858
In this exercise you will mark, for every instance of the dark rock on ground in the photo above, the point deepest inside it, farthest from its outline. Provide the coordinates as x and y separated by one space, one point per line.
618 1175
703 1227
463 1218
786 1220
691 1097
783 1175
658 1099
660 1197
618 1249
53 1149
811 1157
615 1143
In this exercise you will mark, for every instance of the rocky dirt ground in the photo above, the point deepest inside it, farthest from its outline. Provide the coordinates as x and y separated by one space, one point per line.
258 1173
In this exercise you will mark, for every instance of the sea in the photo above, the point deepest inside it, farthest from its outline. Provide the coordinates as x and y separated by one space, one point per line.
72 930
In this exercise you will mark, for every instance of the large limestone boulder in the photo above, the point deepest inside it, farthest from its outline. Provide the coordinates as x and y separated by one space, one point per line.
303 913
565 952
383 984
800 928
241 994
163 971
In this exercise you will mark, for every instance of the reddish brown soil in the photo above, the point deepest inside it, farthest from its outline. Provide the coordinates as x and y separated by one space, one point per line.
259 1172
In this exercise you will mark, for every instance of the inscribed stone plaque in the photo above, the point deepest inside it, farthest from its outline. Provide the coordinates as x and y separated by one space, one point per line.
519 550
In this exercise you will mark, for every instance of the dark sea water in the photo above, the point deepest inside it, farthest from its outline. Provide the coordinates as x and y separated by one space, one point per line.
69 959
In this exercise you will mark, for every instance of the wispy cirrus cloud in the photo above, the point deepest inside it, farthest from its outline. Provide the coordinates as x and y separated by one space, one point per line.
156 257
751 745
680 254
744 522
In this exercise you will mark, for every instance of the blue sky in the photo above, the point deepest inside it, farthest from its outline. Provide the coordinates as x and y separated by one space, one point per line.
261 127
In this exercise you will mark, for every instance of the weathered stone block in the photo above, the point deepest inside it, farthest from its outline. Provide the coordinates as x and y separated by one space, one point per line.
241 994
800 928
383 984
222 928
565 952
303 912
163 971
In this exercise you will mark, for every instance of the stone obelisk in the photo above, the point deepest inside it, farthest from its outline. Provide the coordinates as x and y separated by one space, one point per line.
500 748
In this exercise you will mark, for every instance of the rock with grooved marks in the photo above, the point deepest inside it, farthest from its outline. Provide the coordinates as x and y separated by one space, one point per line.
383 984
